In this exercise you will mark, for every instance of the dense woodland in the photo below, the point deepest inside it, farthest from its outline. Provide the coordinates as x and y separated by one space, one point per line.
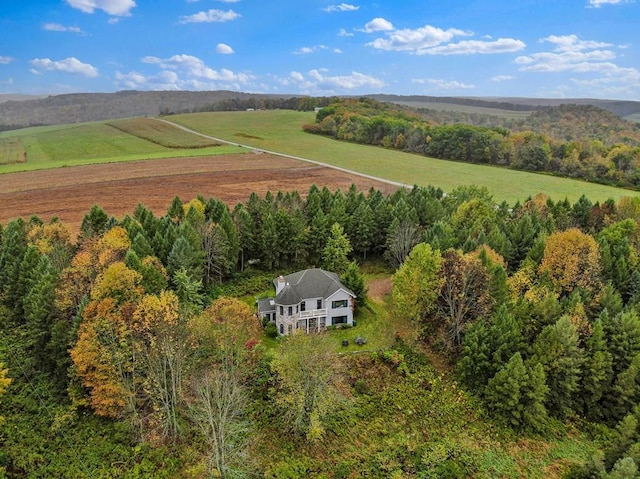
126 353
578 141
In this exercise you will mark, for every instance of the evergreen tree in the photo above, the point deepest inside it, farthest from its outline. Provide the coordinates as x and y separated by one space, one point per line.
504 391
176 210
557 349
335 255
183 256
39 312
354 280
598 371
14 245
94 223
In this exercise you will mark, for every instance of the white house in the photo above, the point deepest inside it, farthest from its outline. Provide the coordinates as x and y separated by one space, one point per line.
309 300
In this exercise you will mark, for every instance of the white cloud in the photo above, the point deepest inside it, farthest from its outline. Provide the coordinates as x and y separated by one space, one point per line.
570 54
337 50
8 81
68 65
472 47
599 3
224 49
120 8
449 84
5 60
193 71
344 33
499 78
56 27
317 80
430 40
343 7
416 40
210 16
378 25
308 50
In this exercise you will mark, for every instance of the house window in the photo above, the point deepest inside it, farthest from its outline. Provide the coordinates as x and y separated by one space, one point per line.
289 329
281 328
339 320
341 303
290 310
303 306
281 310
319 304
323 322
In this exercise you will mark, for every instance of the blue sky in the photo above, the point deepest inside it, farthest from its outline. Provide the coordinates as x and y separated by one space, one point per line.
524 48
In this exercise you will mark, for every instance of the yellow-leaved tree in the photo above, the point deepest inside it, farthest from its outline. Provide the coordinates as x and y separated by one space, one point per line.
4 382
571 260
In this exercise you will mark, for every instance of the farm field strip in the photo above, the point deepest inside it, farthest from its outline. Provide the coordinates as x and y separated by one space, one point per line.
281 131
162 133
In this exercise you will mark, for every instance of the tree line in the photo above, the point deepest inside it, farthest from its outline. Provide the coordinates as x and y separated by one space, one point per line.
534 302
578 141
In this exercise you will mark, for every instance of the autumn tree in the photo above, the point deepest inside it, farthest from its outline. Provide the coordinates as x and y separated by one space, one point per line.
162 342
464 295
307 385
571 260
225 336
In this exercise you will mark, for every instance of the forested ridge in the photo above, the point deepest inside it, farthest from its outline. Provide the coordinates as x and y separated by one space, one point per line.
133 351
578 141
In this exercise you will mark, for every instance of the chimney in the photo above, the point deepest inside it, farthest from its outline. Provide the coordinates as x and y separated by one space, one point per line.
280 284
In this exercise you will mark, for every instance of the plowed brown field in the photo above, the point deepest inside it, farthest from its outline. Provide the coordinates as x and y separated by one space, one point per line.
69 193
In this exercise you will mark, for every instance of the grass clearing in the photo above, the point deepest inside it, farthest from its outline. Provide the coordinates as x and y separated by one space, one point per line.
480 110
281 131
91 143
161 133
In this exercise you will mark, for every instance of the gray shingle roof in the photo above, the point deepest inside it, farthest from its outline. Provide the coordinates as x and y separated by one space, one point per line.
309 283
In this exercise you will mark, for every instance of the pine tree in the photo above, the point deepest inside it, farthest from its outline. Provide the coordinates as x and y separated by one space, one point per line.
557 349
354 280
94 223
598 372
335 255
14 245
504 391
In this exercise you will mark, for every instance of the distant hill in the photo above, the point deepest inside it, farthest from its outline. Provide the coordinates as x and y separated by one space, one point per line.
22 110
618 107
11 97
81 107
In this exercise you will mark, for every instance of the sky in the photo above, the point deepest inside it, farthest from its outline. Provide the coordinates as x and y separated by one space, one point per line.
473 48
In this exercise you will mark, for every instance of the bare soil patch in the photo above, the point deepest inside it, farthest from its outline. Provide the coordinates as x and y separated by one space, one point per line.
69 193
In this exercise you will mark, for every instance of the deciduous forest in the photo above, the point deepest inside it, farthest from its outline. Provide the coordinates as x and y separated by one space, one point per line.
134 350
578 141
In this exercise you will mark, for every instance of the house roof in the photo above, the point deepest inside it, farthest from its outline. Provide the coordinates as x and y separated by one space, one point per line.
310 283
266 305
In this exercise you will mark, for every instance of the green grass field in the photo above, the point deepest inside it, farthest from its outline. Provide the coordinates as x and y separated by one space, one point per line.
87 143
281 131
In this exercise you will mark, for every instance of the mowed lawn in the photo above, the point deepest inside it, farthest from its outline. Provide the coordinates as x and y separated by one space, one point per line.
281 131
89 143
